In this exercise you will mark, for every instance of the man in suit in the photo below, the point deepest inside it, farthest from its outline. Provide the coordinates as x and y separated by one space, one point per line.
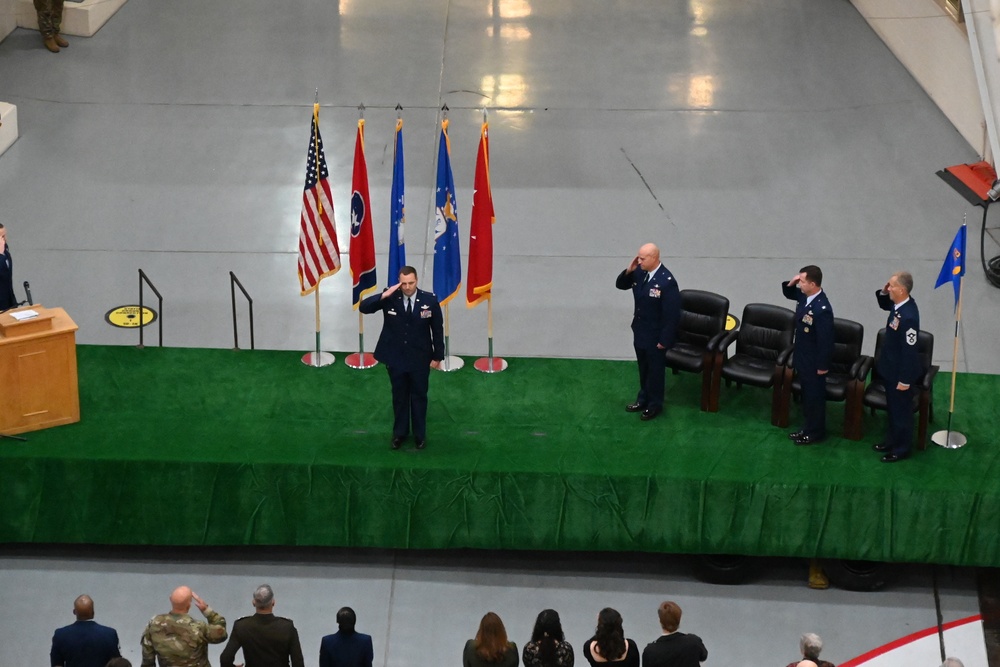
7 299
267 640
411 343
85 643
654 325
346 647
673 648
813 349
898 365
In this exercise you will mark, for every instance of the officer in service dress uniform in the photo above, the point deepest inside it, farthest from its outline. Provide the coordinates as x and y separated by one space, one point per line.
654 325
813 349
898 365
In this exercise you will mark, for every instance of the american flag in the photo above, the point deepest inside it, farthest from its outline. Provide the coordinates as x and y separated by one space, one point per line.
319 254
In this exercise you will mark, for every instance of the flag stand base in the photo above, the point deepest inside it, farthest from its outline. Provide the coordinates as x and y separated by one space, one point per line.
361 361
451 363
490 364
318 359
949 439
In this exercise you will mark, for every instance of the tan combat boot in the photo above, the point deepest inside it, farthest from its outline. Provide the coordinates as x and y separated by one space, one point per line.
60 41
50 43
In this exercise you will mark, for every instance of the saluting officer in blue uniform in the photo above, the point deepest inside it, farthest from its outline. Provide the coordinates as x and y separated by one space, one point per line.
813 349
411 344
899 364
654 325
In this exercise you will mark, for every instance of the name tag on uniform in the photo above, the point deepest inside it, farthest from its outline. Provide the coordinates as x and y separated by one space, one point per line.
390 312
654 292
425 314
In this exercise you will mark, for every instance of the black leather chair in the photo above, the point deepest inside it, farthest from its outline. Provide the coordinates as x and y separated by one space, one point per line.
701 328
844 382
923 394
763 346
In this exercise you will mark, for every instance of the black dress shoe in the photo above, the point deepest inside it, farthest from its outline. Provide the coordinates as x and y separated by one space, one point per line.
397 441
795 435
892 458
880 447
421 443
634 407
808 440
650 413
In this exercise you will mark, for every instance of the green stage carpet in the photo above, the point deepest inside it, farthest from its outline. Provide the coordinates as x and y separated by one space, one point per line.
222 447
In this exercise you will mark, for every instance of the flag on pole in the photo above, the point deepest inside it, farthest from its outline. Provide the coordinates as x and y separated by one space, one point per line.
362 253
397 219
447 254
319 254
954 264
480 282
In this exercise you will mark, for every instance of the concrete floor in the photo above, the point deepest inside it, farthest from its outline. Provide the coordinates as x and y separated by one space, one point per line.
746 138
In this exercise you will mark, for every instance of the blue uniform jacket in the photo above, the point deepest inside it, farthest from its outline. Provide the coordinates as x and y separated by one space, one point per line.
346 649
899 361
7 299
84 644
813 330
408 342
657 306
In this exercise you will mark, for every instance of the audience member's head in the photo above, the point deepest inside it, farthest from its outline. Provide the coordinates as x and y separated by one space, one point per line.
346 620
609 635
952 662
806 663
670 616
180 600
548 633
118 662
263 599
83 608
810 645
491 640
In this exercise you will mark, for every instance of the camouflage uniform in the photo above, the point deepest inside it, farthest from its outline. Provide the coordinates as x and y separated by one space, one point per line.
180 641
50 13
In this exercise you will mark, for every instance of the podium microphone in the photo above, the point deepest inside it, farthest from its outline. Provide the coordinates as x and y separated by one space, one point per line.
27 291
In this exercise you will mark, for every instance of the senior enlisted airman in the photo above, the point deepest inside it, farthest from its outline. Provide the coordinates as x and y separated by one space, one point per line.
178 640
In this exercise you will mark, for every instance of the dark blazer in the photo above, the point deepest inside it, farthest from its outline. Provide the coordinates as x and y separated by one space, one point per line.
352 649
267 641
813 330
408 342
657 306
7 299
675 650
84 644
899 361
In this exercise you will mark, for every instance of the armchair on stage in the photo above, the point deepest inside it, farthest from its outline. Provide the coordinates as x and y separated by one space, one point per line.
845 382
38 371
923 388
763 347
700 331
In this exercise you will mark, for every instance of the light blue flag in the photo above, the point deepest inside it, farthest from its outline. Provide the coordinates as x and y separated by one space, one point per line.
397 240
447 254
954 264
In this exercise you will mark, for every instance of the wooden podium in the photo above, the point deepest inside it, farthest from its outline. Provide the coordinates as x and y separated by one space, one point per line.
38 371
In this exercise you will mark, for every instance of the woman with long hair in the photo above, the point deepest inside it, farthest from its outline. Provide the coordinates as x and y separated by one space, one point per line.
490 648
548 646
609 645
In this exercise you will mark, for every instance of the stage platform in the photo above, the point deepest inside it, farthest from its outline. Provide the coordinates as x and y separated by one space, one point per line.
229 447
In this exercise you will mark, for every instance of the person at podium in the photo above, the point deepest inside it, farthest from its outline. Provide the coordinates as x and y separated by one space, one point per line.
7 300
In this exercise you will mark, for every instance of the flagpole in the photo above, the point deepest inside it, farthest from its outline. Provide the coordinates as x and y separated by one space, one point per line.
953 439
490 364
450 363
359 360
317 359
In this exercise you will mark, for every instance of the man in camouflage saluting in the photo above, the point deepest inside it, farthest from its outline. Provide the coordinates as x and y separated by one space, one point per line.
178 640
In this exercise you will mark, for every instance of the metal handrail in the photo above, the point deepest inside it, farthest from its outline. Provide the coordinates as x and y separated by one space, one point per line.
144 277
233 283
